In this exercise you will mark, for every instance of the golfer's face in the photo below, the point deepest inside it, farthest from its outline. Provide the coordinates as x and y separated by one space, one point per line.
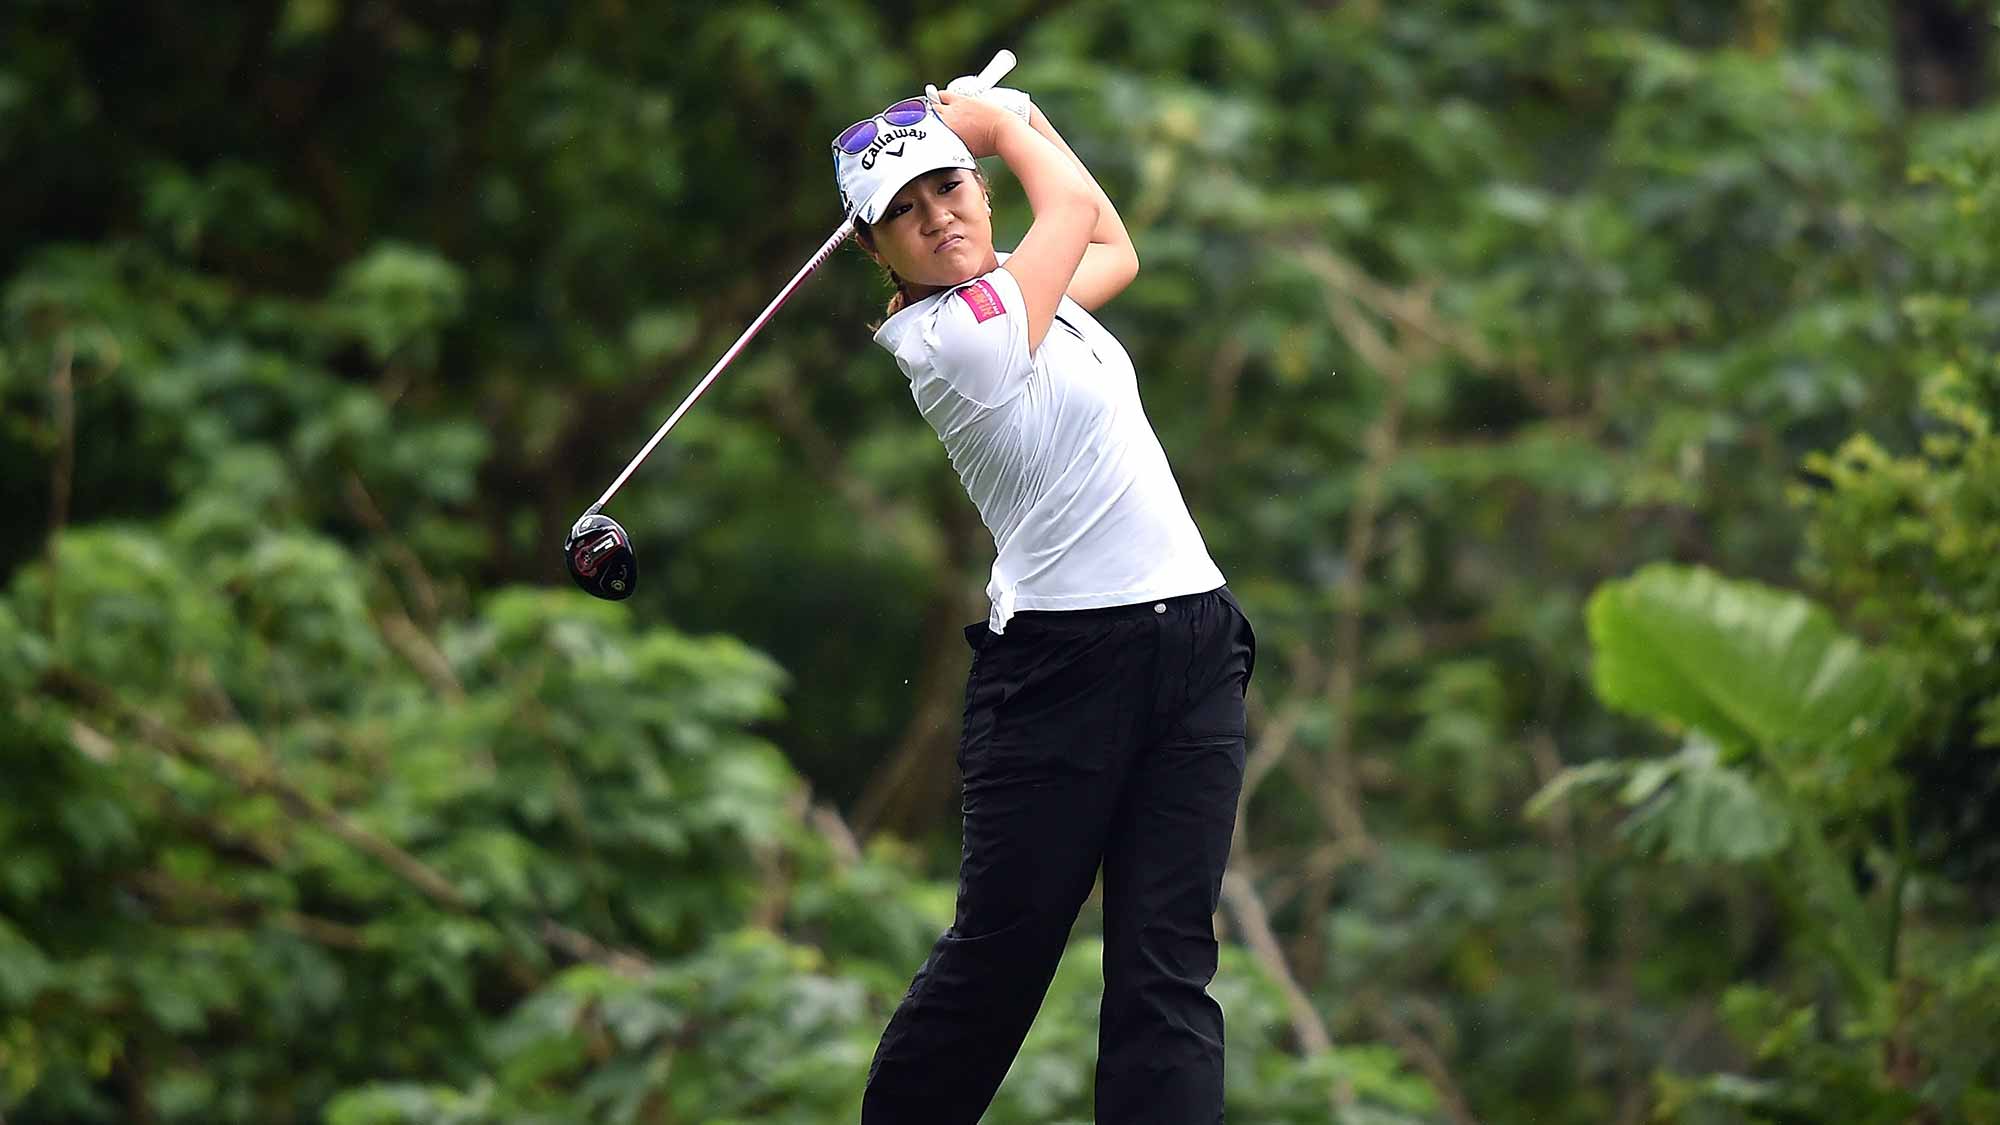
937 230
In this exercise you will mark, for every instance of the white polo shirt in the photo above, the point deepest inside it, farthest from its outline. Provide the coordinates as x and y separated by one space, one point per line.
1053 449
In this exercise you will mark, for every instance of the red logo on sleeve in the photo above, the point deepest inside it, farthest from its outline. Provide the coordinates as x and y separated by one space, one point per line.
984 302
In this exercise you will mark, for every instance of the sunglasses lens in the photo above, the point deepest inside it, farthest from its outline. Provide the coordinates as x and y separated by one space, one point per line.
907 112
856 136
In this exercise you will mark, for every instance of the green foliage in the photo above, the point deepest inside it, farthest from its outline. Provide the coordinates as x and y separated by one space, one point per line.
1923 1053
1827 726
396 299
572 748
1770 676
1908 535
326 799
1690 807
1750 668
747 1030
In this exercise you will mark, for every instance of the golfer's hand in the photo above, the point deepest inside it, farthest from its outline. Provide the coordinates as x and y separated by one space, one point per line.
1013 101
977 121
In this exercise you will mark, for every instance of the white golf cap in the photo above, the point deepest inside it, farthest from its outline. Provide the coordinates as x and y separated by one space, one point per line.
894 156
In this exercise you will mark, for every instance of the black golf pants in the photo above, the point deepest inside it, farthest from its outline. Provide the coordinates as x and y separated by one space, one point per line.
1104 736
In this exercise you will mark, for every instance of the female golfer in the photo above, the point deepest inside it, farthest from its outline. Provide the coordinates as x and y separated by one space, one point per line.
1104 710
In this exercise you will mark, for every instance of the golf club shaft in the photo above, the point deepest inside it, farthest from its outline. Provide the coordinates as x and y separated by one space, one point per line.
819 257
1003 61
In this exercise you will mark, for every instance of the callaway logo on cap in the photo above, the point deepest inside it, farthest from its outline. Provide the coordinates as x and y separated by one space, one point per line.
874 157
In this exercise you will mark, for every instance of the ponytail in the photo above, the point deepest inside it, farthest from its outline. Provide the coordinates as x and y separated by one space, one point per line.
897 299
901 296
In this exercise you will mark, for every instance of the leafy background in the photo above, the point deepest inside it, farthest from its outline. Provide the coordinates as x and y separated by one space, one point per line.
1593 403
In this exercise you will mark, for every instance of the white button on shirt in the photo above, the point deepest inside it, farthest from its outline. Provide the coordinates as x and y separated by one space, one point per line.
1054 449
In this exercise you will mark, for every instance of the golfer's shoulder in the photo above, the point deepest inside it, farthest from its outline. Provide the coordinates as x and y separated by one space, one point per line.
972 335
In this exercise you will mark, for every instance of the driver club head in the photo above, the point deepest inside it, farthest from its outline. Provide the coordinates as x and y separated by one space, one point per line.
599 556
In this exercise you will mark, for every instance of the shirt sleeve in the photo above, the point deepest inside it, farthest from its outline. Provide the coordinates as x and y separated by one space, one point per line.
978 339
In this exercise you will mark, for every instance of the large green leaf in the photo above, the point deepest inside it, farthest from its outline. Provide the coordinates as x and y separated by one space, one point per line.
1750 667
1693 807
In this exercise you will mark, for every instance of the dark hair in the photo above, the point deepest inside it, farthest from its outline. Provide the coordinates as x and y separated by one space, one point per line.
864 234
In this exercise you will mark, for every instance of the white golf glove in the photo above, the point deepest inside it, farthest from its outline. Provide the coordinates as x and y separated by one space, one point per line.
1012 100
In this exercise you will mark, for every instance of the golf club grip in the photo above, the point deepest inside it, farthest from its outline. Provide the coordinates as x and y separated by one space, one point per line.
1003 61
820 256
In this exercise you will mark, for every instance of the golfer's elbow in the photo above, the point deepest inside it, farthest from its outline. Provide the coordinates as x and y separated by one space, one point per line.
1126 264
1079 200
1117 263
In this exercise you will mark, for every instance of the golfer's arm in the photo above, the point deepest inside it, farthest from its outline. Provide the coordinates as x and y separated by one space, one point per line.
1066 209
1111 261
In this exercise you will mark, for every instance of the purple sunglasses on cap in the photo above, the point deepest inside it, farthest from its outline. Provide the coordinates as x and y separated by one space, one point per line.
856 138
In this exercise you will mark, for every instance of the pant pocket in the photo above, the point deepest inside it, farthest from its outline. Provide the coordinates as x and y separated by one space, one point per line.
1246 634
1059 701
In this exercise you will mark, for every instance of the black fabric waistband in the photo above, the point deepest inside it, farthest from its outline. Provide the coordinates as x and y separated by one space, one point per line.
1112 612
1049 623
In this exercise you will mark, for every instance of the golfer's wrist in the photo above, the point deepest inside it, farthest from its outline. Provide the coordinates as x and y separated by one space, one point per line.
1009 126
1022 146
1044 170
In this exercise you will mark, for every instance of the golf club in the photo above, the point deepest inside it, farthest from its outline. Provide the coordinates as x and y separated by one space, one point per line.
597 551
